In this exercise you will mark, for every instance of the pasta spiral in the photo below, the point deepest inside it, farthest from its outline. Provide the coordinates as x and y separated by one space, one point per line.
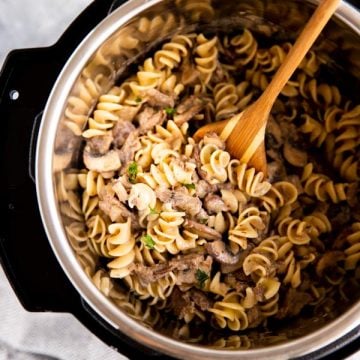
322 187
206 61
229 313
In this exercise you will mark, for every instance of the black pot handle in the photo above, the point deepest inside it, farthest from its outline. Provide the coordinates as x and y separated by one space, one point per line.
26 80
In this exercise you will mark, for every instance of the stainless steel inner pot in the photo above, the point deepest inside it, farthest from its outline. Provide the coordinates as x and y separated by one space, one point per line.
104 55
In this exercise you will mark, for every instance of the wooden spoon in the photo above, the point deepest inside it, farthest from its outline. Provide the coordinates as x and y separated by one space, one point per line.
245 138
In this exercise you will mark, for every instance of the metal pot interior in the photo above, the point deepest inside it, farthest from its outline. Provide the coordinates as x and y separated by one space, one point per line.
144 27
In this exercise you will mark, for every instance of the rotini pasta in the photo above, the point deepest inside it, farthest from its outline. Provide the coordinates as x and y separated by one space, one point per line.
165 224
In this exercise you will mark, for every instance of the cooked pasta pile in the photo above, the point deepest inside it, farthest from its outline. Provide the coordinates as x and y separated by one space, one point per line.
191 232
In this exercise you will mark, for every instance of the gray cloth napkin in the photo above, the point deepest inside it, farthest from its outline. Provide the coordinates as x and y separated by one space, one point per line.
40 336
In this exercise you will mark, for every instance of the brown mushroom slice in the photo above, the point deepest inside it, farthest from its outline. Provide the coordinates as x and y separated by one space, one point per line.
188 109
274 133
104 163
100 144
62 160
329 259
295 156
202 230
217 249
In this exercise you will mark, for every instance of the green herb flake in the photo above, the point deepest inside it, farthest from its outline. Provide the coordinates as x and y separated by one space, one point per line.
138 99
203 221
190 186
133 171
153 211
148 241
201 277
170 111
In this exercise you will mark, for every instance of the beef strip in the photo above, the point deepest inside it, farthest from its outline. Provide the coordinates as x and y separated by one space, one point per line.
184 267
179 305
156 98
190 107
214 204
203 188
180 199
100 144
184 304
254 316
128 150
203 231
188 267
293 303
217 249
200 299
121 131
113 208
149 274
237 285
149 118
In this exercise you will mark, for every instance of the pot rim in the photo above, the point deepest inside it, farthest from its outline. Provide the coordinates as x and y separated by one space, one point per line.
55 231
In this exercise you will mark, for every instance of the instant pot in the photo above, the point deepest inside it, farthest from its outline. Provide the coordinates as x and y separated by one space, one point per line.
38 92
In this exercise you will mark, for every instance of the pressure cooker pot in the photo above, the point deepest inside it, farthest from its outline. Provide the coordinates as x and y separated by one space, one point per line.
65 269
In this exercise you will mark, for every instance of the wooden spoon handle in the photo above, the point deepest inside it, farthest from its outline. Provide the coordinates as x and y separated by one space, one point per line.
302 45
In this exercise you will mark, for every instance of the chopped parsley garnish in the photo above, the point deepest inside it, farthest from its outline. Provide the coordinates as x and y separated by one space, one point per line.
138 99
148 241
190 186
170 112
201 277
153 211
203 221
132 171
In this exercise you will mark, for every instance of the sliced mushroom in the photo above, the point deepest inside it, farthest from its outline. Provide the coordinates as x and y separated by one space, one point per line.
142 196
128 150
203 231
294 156
100 144
180 199
274 134
149 118
104 163
62 160
121 131
188 109
217 249
276 170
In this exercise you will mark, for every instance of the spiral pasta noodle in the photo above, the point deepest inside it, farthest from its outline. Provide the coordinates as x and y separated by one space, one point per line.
175 231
